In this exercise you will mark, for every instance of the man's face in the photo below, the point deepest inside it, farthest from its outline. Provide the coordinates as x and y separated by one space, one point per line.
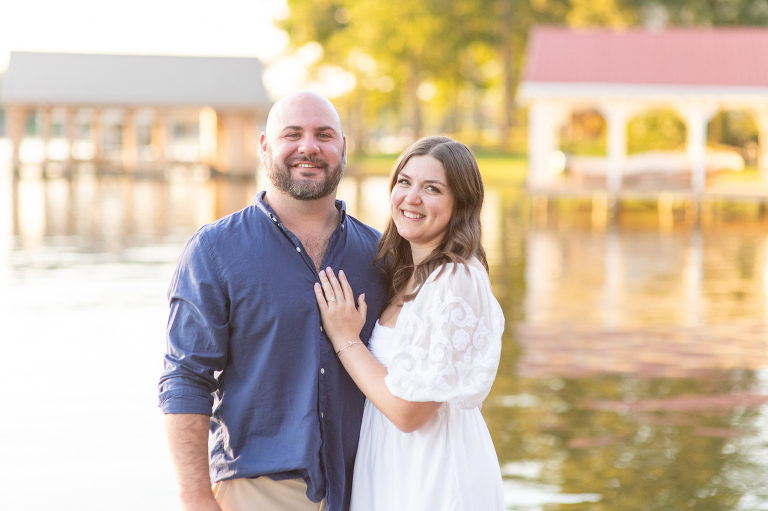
304 150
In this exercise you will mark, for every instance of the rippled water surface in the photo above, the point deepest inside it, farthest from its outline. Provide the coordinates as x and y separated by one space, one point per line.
634 374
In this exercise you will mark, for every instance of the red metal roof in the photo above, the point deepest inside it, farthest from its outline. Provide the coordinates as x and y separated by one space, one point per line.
698 56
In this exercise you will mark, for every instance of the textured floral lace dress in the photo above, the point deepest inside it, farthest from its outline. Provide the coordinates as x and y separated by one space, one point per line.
444 347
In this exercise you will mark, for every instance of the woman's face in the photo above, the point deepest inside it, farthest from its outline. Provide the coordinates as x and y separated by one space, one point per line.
421 204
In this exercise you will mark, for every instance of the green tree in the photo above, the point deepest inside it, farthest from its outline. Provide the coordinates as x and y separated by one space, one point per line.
440 66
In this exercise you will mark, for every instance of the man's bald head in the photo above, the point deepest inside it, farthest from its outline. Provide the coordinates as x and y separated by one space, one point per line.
301 103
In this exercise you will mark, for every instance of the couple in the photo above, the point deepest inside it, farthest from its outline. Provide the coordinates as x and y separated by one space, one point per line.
257 296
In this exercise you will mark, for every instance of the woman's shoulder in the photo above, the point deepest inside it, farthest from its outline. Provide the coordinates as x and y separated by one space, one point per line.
462 271
460 277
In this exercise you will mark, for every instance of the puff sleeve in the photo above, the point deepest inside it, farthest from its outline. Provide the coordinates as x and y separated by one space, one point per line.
447 341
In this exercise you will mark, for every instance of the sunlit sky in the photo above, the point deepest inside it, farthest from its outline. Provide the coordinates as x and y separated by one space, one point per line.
239 28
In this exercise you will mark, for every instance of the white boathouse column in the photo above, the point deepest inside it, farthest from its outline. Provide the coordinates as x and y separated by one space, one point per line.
15 127
544 120
616 117
70 132
251 141
44 129
160 136
97 137
696 119
230 142
130 150
207 136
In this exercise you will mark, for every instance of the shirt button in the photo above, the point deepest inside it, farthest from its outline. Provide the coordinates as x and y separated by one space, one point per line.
322 416
298 249
322 370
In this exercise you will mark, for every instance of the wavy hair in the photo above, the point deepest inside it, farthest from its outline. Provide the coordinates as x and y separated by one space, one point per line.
462 239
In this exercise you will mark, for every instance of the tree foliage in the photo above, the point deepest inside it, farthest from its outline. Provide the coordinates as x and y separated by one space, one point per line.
427 66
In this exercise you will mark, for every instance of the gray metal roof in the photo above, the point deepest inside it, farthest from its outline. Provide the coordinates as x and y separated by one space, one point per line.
133 80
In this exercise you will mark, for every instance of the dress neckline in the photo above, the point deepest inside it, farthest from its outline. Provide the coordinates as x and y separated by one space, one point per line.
384 326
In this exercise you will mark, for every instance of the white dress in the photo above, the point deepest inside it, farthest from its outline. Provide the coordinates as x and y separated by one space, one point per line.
444 347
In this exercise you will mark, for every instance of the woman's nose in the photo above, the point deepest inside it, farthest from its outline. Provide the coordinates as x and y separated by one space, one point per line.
413 195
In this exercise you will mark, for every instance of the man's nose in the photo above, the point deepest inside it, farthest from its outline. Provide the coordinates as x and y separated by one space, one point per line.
309 145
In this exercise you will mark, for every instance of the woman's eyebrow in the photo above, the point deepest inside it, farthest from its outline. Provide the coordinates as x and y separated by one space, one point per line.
437 181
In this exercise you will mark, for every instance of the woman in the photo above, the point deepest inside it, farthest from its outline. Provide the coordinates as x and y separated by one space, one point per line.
435 350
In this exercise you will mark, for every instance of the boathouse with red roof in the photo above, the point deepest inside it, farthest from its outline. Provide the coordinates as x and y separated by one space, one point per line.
695 72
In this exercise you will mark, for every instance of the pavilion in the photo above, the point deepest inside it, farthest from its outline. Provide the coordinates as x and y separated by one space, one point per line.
696 72
128 109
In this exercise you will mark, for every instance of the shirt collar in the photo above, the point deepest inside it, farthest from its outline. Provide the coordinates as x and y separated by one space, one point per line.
267 209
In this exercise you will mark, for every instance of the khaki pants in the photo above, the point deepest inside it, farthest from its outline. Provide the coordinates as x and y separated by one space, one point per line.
264 494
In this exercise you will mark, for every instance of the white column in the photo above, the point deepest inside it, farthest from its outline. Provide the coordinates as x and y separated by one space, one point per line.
70 132
544 120
230 142
208 130
696 118
616 117
223 141
44 129
15 122
160 136
97 136
130 148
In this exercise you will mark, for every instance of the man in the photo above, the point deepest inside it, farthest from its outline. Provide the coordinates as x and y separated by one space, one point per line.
246 354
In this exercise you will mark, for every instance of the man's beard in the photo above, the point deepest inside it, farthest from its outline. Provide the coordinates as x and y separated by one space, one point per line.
301 189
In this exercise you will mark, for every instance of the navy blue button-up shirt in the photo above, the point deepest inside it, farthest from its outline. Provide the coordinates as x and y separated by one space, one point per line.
245 345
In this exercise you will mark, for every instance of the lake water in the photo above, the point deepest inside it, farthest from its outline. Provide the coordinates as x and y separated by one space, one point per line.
634 373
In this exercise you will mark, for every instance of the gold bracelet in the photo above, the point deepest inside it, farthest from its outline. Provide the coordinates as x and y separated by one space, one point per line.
347 347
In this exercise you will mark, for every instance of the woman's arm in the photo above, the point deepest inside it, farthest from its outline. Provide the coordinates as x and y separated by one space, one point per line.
342 322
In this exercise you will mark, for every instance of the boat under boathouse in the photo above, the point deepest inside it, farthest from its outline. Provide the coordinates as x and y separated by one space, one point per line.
134 111
695 72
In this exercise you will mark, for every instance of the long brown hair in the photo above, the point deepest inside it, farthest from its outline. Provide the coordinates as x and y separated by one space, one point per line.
462 239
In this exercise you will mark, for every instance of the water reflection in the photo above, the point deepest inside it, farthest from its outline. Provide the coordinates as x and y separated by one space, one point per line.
88 214
636 377
633 372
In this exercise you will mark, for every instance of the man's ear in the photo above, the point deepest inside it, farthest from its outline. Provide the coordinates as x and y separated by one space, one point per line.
263 144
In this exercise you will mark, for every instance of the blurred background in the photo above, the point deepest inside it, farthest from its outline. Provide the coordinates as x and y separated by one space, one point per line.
634 373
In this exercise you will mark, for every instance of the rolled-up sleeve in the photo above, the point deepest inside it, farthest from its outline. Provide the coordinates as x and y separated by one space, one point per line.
198 331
